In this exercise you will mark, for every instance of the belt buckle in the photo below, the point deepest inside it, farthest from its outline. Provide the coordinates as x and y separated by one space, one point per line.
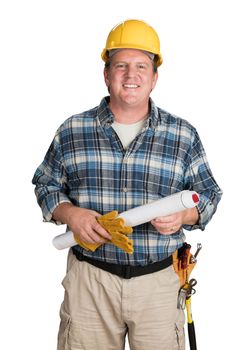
126 271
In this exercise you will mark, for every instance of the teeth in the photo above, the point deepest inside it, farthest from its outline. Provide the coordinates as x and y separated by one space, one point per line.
130 86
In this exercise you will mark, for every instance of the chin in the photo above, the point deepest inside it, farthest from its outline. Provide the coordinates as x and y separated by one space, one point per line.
131 100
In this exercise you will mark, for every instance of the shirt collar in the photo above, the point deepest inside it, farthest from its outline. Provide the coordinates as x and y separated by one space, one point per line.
153 115
106 116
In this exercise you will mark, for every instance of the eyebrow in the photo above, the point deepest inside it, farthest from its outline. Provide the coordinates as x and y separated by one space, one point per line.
126 62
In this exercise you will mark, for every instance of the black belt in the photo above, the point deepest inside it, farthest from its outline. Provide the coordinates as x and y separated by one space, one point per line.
126 271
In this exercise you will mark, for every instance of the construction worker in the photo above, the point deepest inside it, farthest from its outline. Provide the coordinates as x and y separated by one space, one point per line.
121 154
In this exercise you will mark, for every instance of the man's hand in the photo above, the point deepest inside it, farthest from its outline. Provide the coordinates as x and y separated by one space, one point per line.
82 222
170 224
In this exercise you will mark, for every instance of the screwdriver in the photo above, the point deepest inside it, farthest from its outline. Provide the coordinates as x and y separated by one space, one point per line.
193 258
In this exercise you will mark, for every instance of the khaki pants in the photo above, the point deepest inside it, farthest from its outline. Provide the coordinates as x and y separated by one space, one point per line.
100 309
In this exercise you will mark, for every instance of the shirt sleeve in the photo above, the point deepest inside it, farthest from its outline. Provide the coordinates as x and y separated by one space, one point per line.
199 177
50 181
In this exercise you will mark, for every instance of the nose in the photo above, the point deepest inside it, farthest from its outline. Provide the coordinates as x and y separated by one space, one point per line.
131 71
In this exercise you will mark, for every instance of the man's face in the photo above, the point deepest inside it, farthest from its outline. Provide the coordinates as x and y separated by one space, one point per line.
130 78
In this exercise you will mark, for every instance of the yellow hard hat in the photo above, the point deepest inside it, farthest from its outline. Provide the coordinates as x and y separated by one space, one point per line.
133 34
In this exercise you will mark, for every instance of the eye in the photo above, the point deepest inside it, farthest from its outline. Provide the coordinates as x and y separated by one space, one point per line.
120 65
142 66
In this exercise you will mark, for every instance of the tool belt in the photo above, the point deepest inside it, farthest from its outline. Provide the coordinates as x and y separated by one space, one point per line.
183 263
181 260
125 271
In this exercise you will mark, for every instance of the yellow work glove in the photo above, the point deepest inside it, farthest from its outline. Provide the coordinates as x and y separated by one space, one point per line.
117 229
87 246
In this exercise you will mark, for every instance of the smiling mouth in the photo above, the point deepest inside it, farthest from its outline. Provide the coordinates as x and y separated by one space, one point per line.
130 86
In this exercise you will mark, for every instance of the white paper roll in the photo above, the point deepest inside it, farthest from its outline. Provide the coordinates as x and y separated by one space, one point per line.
65 240
161 207
142 214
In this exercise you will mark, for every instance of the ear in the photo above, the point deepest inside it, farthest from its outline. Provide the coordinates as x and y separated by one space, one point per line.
106 77
155 79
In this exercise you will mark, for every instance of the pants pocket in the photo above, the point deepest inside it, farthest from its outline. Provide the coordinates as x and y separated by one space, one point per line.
64 330
179 342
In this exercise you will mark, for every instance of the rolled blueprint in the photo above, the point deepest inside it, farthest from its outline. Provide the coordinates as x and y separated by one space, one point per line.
142 214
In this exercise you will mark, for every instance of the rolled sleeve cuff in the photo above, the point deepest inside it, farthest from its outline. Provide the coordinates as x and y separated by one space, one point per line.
49 205
206 210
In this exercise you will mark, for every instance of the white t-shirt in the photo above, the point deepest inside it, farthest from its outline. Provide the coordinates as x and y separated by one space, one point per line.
128 132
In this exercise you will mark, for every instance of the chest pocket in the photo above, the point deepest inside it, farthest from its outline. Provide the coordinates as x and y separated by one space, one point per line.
159 178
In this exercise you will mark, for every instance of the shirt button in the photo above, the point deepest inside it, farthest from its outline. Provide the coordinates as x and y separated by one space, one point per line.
125 189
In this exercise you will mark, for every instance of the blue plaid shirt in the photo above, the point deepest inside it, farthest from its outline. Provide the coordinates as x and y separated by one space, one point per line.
86 165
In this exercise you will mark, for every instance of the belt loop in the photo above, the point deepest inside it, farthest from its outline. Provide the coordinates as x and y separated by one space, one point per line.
127 271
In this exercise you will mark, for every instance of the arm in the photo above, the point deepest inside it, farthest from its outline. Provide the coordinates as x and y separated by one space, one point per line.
51 190
197 177
50 181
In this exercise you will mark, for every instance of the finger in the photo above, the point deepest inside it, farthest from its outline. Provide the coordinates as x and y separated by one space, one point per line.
92 238
165 219
167 229
89 235
164 225
101 231
84 237
97 238
167 232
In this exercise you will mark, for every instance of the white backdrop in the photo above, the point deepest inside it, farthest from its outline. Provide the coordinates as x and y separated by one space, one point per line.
50 69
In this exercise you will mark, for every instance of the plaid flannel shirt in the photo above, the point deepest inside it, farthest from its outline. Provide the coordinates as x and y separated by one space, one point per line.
86 165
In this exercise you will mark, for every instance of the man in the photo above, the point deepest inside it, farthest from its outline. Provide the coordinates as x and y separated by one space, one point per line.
124 153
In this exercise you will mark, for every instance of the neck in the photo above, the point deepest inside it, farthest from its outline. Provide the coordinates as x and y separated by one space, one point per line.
129 115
